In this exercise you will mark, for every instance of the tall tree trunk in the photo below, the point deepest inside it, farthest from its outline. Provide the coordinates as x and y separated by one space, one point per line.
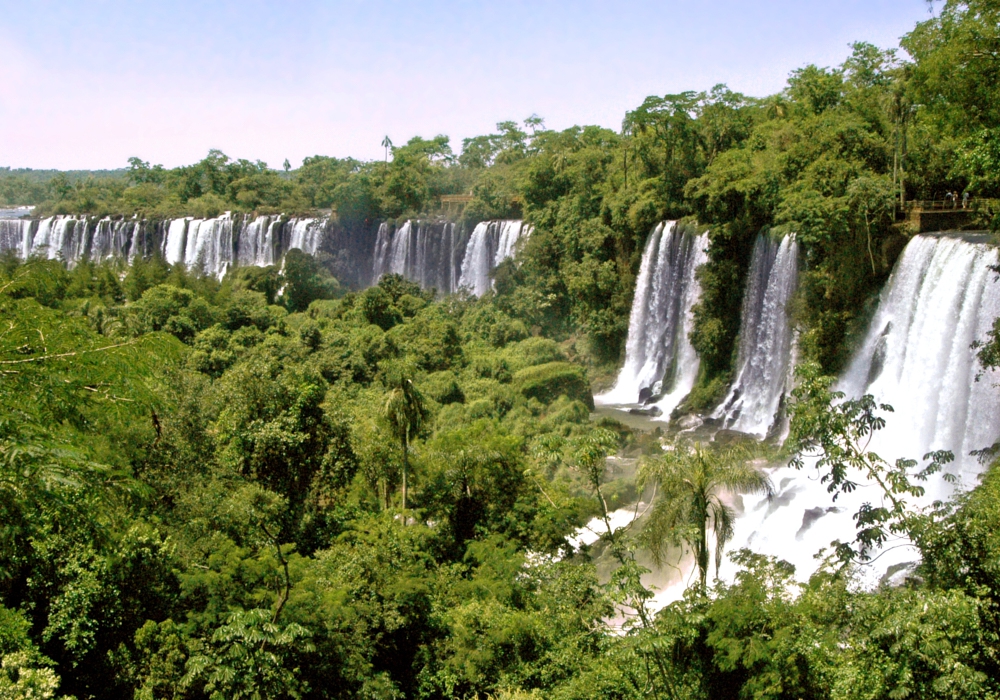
702 554
406 465
626 166
902 167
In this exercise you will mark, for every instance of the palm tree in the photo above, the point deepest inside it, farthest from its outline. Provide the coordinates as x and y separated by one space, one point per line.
387 144
405 412
692 480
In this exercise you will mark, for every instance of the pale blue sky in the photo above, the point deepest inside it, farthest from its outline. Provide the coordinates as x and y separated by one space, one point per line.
88 84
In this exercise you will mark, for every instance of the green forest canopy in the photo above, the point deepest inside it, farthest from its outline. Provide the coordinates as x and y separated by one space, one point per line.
201 485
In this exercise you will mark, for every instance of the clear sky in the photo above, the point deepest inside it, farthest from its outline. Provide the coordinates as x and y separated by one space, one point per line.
87 84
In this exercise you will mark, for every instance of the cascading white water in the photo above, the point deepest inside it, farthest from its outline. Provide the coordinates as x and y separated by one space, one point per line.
659 358
383 244
475 276
213 244
917 358
217 243
209 244
434 254
252 245
917 355
765 351
510 233
110 239
175 242
307 235
400 252
67 238
490 244
256 241
421 251
191 241
60 237
15 236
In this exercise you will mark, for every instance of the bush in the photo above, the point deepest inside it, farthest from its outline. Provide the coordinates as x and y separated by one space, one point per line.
550 381
443 387
534 351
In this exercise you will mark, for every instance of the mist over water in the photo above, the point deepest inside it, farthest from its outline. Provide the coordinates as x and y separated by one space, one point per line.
917 354
916 357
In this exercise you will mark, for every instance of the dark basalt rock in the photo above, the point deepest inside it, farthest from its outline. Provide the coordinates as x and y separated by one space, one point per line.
652 411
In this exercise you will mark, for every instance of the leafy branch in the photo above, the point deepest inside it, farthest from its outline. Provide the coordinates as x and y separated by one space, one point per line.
837 433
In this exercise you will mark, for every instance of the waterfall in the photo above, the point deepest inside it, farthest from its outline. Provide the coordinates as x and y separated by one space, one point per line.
490 244
111 239
216 244
429 253
764 361
175 241
15 236
659 359
60 237
68 238
917 358
383 242
209 244
475 276
256 242
307 234
212 244
400 252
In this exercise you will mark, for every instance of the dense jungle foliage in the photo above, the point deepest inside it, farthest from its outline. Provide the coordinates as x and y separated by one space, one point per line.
269 486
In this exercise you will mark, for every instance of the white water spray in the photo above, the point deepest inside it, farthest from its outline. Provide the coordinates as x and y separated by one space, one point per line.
917 358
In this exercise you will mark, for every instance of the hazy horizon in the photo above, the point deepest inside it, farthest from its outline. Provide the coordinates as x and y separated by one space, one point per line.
89 87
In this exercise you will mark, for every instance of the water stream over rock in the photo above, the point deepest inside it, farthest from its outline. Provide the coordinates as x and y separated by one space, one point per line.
660 363
764 364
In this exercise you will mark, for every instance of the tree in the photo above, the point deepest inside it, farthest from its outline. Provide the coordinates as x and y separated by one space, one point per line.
534 122
305 281
692 480
251 656
405 411
387 144
838 433
956 68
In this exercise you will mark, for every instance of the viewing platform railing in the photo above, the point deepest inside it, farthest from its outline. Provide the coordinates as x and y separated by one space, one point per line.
943 204
926 215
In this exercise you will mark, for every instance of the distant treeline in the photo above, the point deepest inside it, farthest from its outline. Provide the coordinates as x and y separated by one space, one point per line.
22 186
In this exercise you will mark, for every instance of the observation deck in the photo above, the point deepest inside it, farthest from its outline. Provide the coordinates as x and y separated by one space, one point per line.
924 216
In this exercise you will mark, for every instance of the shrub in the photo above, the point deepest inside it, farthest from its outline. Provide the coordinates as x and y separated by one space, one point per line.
550 381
